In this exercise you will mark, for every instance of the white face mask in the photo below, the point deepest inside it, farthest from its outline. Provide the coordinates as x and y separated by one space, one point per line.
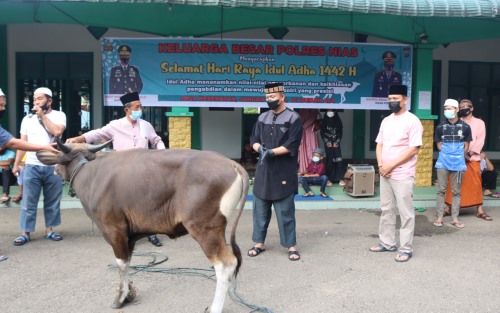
315 159
449 114
330 114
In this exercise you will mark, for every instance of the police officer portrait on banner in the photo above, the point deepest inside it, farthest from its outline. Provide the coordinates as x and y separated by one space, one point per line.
386 77
125 78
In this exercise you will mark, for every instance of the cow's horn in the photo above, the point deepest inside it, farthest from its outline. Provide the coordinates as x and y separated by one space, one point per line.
63 147
95 148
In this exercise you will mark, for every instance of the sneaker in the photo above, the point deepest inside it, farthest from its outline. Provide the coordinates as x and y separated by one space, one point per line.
341 183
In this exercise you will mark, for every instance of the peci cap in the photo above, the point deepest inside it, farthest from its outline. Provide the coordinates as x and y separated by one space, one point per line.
124 50
1 93
451 102
44 90
274 87
398 90
319 151
129 97
388 56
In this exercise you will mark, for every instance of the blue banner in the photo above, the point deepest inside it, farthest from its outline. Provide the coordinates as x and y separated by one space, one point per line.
232 73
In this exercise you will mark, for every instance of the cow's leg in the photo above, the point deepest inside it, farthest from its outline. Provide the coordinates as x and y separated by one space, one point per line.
123 249
222 258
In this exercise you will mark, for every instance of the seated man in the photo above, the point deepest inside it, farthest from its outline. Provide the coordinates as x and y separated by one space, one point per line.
488 176
315 174
7 158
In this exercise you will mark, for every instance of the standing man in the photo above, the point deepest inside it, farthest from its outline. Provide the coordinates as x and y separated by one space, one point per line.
452 139
472 186
398 142
276 136
130 132
8 141
124 78
43 127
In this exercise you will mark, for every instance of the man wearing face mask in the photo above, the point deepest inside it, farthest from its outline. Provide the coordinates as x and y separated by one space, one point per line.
124 78
129 132
398 142
452 139
43 126
276 136
383 79
471 190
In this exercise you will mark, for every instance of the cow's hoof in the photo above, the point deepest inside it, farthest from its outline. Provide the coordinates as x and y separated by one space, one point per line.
132 295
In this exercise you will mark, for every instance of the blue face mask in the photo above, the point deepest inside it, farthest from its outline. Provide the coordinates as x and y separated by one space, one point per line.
449 114
315 159
135 115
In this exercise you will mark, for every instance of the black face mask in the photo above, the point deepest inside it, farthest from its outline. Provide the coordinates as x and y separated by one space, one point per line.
2 113
464 112
394 106
124 60
273 104
45 107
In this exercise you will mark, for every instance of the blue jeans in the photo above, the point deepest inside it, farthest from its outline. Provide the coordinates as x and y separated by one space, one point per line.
320 180
285 214
35 178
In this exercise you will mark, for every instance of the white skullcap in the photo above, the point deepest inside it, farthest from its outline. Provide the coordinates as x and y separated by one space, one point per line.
451 102
1 93
44 90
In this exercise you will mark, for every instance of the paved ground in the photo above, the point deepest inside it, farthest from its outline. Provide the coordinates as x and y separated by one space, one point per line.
452 270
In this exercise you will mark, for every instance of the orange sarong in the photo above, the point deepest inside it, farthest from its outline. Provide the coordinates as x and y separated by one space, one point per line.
472 189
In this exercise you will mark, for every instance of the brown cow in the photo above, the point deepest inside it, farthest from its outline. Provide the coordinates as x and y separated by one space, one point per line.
134 193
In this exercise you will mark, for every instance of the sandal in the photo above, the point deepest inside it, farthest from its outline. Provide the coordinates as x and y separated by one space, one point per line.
21 240
403 257
17 198
381 248
54 236
458 224
324 195
438 224
495 195
257 251
3 258
308 194
484 216
294 252
5 199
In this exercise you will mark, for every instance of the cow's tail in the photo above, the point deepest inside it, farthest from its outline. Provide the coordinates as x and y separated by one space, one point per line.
241 203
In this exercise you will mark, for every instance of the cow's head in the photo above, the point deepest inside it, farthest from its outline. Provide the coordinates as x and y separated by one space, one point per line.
69 156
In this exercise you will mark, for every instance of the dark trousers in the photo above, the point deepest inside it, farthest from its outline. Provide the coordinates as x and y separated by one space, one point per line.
320 180
6 179
489 179
285 214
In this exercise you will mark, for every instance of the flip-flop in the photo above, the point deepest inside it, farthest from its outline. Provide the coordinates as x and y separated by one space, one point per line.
324 195
257 251
307 195
54 236
457 224
401 254
5 199
21 240
3 258
495 195
438 224
381 248
17 198
295 252
484 216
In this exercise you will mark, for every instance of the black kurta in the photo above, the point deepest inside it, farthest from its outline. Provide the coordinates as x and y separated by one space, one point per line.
277 177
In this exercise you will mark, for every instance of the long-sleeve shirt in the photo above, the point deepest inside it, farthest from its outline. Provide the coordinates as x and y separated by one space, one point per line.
478 130
126 135
314 168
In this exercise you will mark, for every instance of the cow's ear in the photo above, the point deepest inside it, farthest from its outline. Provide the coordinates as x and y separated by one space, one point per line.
47 158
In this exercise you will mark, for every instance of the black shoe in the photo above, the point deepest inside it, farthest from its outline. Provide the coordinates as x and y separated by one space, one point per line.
154 240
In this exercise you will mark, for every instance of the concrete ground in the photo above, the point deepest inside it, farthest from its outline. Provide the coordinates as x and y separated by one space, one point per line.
452 270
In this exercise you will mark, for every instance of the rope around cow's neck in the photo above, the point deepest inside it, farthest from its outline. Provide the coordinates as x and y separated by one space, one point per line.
71 191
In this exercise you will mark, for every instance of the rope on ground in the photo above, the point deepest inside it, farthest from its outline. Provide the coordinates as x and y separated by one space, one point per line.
209 273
